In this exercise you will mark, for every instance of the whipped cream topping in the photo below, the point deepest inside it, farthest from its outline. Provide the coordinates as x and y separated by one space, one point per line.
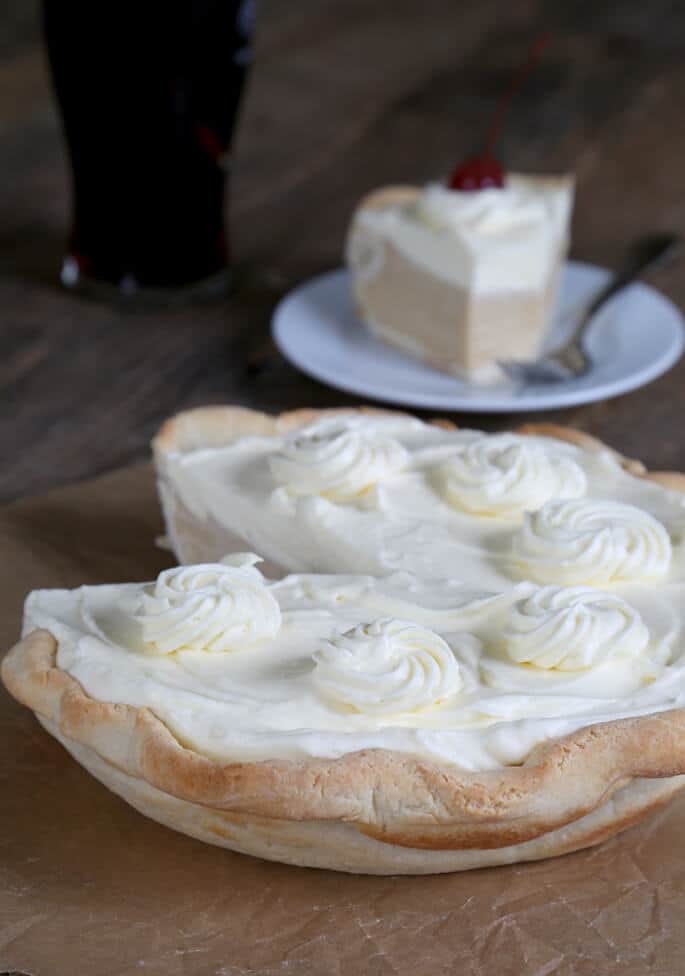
387 667
573 628
331 459
520 203
506 473
411 521
592 541
213 607
304 692
499 239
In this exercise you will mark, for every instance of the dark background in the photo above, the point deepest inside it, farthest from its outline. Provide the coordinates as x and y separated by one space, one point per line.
346 95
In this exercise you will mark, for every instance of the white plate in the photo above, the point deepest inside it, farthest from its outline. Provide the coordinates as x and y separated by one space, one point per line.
636 337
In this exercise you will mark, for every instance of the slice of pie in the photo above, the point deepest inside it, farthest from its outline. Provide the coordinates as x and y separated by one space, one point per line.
461 278
380 725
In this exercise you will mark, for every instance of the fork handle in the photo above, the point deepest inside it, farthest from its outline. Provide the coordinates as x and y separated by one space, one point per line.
649 252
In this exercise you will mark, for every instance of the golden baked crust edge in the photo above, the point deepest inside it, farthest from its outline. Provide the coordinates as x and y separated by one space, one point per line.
342 847
216 426
389 796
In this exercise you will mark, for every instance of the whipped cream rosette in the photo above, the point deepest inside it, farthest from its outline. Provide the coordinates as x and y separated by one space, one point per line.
572 628
212 607
592 541
506 474
387 667
336 459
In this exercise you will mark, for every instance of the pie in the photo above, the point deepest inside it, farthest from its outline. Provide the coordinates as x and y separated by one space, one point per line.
457 278
390 717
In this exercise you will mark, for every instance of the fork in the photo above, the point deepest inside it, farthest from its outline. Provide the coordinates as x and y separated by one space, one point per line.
571 359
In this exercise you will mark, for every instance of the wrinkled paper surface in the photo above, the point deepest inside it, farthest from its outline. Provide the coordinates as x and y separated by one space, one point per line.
89 887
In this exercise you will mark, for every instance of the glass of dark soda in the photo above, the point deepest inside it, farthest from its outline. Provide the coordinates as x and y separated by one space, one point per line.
148 91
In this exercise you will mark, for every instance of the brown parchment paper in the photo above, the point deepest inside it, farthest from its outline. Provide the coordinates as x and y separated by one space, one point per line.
88 887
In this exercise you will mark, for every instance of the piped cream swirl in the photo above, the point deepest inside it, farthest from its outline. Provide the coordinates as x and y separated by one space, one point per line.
336 459
505 474
573 628
211 607
387 667
592 541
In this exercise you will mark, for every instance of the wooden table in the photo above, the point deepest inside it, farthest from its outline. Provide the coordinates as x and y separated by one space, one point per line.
346 95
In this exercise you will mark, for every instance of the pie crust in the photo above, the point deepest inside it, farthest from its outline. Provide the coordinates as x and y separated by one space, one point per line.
375 811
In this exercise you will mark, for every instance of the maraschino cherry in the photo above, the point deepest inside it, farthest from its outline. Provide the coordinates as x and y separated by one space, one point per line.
479 173
484 172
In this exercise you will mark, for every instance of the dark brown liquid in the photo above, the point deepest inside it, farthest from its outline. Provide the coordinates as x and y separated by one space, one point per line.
148 92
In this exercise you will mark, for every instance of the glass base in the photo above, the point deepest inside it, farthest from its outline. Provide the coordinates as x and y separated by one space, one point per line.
128 292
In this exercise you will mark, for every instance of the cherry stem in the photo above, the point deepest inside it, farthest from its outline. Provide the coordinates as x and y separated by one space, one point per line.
517 83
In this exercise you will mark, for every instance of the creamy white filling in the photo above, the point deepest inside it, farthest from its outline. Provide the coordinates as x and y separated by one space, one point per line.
454 508
476 709
496 240
473 673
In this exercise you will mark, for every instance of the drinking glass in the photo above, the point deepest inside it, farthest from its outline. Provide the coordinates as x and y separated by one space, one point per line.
148 92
